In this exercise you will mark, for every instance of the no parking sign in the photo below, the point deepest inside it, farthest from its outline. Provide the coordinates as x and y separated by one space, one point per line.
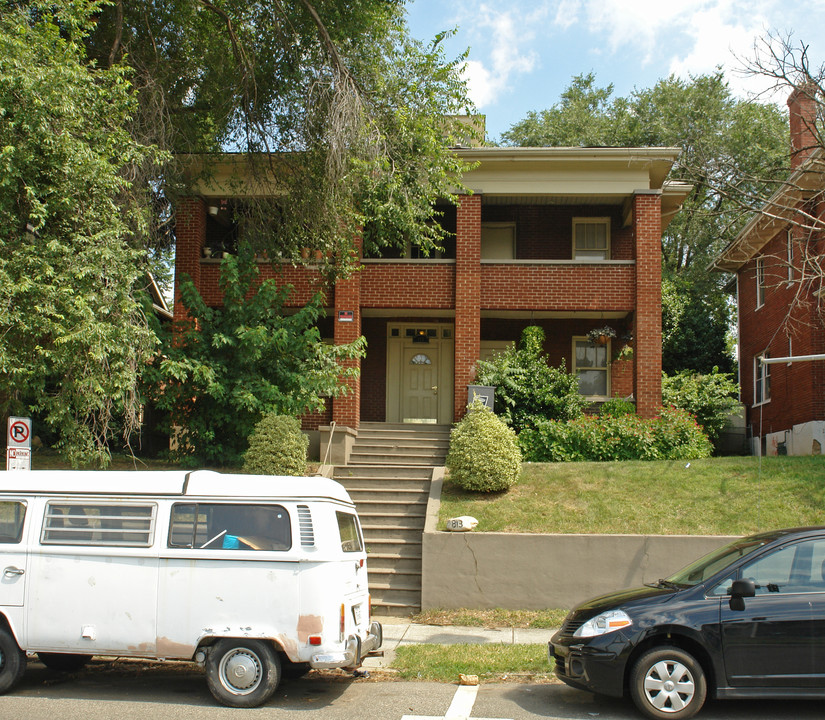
19 443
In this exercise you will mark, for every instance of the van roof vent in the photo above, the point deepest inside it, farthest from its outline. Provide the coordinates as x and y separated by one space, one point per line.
305 526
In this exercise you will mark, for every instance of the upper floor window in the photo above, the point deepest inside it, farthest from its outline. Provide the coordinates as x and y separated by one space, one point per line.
590 363
498 241
790 255
591 238
761 380
760 282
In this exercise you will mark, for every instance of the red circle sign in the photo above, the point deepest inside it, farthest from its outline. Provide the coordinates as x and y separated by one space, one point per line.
19 432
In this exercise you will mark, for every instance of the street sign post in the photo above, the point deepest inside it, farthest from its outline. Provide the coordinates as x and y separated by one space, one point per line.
19 443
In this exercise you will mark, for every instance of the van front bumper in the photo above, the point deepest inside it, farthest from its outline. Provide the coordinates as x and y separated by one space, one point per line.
354 652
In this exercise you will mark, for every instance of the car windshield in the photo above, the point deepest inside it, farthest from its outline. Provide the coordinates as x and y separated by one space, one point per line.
716 561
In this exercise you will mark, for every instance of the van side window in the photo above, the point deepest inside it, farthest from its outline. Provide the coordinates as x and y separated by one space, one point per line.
221 526
350 534
12 515
75 523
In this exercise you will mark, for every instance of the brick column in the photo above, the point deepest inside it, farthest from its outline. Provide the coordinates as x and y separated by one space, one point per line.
190 236
467 298
647 333
346 409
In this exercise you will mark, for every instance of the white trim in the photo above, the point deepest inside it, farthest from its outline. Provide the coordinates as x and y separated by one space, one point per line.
759 278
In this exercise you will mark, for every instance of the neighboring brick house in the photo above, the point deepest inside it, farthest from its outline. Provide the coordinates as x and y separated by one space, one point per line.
566 238
777 259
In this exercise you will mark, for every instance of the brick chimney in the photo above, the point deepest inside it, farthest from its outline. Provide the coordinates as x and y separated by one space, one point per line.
802 111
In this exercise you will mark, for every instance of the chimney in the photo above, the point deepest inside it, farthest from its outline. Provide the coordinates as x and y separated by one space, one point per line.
802 111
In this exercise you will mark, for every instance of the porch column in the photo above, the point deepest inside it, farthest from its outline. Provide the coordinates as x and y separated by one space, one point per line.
346 409
647 333
190 230
467 298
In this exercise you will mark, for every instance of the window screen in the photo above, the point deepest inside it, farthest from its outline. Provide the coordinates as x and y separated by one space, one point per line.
70 523
216 526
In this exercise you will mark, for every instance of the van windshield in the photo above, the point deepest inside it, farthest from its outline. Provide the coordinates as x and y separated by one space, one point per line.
716 561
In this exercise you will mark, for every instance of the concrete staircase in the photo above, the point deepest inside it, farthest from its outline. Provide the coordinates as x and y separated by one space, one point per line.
389 475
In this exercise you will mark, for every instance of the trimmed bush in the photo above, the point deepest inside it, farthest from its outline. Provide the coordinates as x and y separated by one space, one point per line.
484 454
674 435
277 447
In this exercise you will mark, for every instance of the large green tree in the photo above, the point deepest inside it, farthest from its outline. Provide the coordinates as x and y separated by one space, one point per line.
733 151
104 105
355 109
73 333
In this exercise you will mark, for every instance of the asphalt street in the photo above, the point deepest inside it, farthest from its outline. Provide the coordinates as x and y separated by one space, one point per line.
153 691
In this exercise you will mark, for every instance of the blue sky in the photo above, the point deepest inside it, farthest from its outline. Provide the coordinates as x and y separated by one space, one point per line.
523 53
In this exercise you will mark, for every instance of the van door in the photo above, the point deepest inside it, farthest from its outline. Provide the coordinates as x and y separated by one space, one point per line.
94 578
13 553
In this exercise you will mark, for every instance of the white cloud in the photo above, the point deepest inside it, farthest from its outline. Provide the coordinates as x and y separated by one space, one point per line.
502 38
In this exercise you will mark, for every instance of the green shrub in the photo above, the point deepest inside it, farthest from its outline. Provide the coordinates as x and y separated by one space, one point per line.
528 389
674 435
710 398
277 447
616 407
484 454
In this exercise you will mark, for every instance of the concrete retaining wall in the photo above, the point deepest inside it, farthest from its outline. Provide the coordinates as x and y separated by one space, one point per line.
530 572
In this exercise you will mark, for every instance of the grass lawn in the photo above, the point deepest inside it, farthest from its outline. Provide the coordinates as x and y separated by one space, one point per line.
494 661
715 496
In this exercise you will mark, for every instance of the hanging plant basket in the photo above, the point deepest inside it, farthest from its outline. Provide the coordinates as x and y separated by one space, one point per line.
600 336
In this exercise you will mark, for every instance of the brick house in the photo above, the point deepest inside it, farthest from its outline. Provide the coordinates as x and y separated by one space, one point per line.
777 260
567 238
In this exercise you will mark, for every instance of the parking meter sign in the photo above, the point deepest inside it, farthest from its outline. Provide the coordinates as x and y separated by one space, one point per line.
18 459
20 433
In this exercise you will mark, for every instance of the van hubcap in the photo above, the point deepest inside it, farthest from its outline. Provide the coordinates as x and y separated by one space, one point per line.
241 671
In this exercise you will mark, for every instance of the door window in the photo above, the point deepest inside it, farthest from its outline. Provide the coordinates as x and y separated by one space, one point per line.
12 515
797 568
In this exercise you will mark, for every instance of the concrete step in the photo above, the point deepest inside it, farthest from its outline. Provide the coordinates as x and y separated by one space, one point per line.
395 601
393 448
382 507
398 472
380 458
382 563
392 521
389 546
380 534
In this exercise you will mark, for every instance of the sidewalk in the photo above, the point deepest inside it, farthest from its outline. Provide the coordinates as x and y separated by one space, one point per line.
400 632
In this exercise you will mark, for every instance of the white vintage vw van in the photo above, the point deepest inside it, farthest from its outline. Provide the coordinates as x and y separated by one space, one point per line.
252 576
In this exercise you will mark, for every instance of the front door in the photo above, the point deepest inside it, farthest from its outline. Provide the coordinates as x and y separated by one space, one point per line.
777 640
419 400
13 553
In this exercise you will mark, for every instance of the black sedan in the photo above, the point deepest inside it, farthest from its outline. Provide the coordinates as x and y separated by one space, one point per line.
746 621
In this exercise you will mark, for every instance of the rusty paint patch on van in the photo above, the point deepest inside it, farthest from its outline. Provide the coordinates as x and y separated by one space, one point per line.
309 625
171 649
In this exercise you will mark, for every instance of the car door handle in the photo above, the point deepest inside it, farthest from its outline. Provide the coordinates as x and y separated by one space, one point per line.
11 570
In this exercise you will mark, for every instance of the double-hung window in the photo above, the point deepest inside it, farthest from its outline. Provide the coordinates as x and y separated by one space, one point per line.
590 364
591 238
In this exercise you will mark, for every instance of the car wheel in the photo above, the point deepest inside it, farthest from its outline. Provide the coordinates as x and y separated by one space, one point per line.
668 683
242 673
63 662
12 661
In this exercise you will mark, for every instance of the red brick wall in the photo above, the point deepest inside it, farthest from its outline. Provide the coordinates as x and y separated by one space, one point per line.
784 326
346 409
467 297
558 287
190 233
408 285
648 331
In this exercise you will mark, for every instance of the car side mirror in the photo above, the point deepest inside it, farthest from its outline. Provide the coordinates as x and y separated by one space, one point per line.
739 590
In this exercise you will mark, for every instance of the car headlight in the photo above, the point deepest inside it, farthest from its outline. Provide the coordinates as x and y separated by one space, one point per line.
606 622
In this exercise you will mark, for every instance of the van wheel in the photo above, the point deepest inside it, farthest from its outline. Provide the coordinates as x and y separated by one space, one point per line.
12 661
63 662
242 673
669 683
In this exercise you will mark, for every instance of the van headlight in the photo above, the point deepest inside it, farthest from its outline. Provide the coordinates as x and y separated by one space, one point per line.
606 622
